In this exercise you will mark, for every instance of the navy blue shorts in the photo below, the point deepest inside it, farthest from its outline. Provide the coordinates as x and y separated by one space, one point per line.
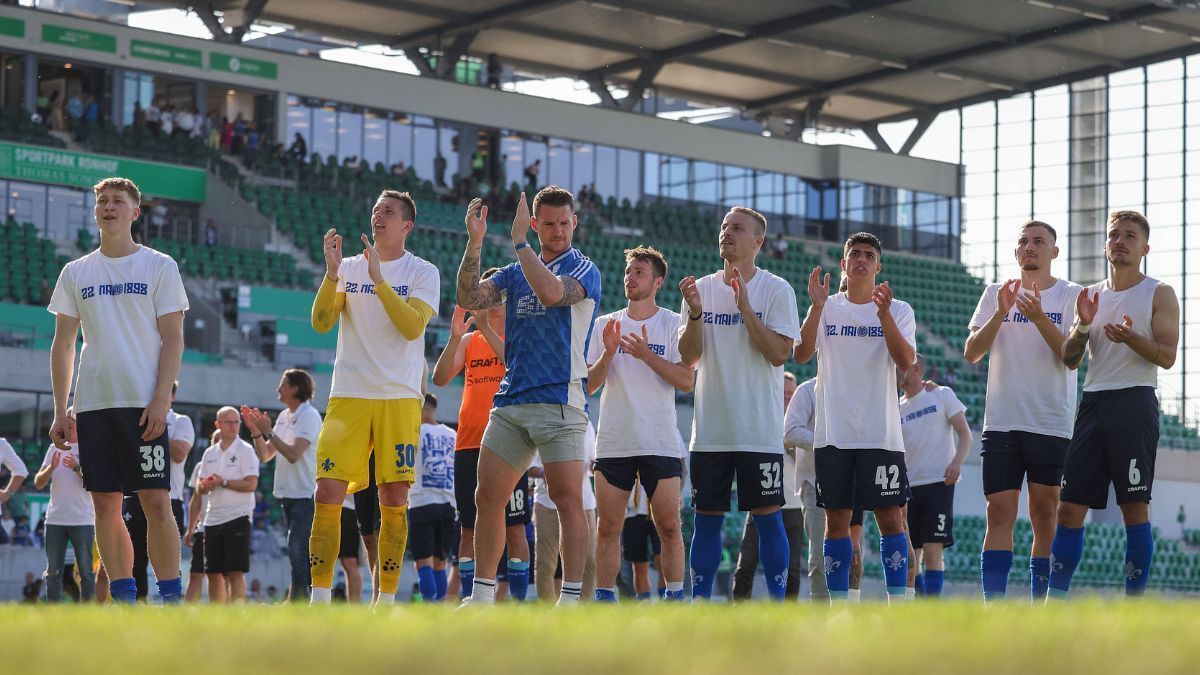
114 458
639 539
519 510
430 531
759 477
931 514
1011 456
867 478
1115 442
623 472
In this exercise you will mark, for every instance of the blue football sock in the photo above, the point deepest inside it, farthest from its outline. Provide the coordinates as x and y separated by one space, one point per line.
706 553
466 576
518 579
607 595
893 548
440 582
643 597
933 582
993 568
773 552
1139 553
1039 578
171 591
123 591
919 583
1065 554
838 554
426 583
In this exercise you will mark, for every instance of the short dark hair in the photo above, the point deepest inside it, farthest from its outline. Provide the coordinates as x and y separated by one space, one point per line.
1133 217
1038 223
302 381
488 272
124 184
758 217
409 204
863 238
648 254
431 400
553 195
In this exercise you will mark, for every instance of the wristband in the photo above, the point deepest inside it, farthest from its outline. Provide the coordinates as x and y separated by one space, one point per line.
1083 328
268 436
518 247
697 317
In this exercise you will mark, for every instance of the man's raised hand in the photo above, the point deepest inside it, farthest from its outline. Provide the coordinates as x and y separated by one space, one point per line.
332 246
521 222
818 287
476 219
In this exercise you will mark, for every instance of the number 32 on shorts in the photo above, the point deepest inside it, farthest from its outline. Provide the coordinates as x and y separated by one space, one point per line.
772 475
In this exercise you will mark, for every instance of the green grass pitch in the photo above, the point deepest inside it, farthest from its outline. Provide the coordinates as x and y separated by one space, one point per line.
1089 636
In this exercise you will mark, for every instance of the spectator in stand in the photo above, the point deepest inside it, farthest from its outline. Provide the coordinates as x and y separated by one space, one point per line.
69 516
210 233
582 197
139 115
154 116
167 120
216 126
439 170
239 135
226 136
779 247
531 174
298 150
252 143
74 110
185 122
256 593
32 590
951 378
230 478
91 110
200 129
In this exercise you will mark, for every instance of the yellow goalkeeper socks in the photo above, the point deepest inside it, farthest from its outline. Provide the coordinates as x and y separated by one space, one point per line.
324 542
393 536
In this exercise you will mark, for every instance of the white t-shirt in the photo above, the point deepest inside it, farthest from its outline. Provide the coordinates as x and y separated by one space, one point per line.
541 492
738 392
70 504
193 483
1028 388
856 401
798 425
179 428
434 482
10 459
637 406
297 480
373 359
928 435
1115 366
118 302
236 461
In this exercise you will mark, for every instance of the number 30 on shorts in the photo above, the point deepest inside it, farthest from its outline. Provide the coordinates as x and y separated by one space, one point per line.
153 458
406 456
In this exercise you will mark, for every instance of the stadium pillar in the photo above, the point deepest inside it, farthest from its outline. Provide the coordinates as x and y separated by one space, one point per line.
1088 198
30 83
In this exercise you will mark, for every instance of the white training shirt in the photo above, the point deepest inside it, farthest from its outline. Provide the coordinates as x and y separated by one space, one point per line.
738 392
179 428
297 480
236 461
637 406
118 302
541 493
70 504
373 359
10 459
928 435
434 482
856 401
193 483
1113 365
1028 388
798 425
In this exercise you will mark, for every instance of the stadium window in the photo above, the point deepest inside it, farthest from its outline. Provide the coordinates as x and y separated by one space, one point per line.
605 177
324 131
400 141
350 130
375 138
629 178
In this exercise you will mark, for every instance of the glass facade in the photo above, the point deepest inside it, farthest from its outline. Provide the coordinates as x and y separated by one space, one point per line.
1071 154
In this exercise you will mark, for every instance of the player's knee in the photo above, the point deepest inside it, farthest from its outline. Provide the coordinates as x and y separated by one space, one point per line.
330 491
1135 513
610 528
1071 515
890 520
568 496
393 494
156 504
668 527
1001 512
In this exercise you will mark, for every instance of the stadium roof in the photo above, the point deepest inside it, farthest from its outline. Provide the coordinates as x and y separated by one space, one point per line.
850 62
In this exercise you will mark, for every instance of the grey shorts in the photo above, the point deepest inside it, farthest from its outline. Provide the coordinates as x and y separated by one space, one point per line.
516 432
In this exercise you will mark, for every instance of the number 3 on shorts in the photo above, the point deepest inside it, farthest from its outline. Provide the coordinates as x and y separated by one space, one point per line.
153 458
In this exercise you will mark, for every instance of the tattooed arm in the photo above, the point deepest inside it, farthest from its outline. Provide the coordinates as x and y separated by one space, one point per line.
472 293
